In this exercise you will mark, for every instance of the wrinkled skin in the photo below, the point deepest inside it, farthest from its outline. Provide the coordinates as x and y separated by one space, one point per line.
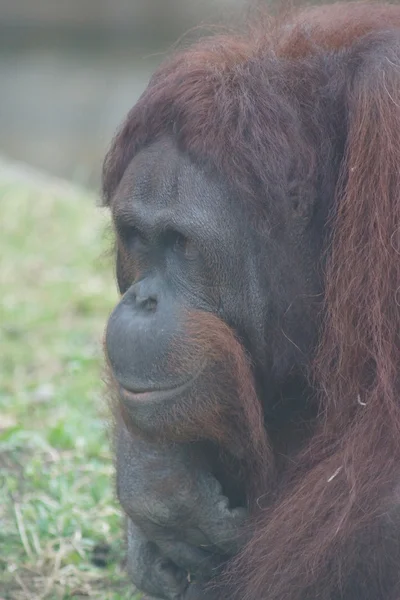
178 520
186 244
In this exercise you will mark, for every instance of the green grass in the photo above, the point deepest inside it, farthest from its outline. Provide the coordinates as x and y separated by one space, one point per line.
58 513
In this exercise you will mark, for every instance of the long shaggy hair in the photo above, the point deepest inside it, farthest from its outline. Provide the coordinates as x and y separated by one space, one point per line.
321 86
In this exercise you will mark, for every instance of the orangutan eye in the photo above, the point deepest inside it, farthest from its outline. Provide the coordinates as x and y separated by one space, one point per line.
184 246
180 242
129 233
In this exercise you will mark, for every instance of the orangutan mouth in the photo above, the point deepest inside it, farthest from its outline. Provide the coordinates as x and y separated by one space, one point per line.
154 395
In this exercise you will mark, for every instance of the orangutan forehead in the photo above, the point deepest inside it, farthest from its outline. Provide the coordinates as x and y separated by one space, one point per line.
161 175
155 170
163 189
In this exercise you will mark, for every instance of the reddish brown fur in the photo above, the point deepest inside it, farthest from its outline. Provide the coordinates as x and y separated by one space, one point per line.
216 101
222 406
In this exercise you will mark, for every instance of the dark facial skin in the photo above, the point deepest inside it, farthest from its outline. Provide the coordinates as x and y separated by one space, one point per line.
182 246
186 247
179 521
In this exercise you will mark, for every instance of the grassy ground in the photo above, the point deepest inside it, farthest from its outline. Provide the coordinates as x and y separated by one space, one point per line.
60 527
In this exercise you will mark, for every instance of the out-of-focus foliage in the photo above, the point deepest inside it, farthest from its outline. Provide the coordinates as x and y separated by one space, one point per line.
60 527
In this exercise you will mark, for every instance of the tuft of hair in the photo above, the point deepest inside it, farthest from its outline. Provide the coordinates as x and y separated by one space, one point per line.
321 86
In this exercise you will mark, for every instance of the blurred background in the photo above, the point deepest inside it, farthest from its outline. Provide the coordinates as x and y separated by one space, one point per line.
70 70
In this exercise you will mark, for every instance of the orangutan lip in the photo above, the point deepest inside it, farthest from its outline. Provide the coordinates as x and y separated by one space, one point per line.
160 395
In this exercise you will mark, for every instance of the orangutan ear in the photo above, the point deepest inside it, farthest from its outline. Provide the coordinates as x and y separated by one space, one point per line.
301 198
